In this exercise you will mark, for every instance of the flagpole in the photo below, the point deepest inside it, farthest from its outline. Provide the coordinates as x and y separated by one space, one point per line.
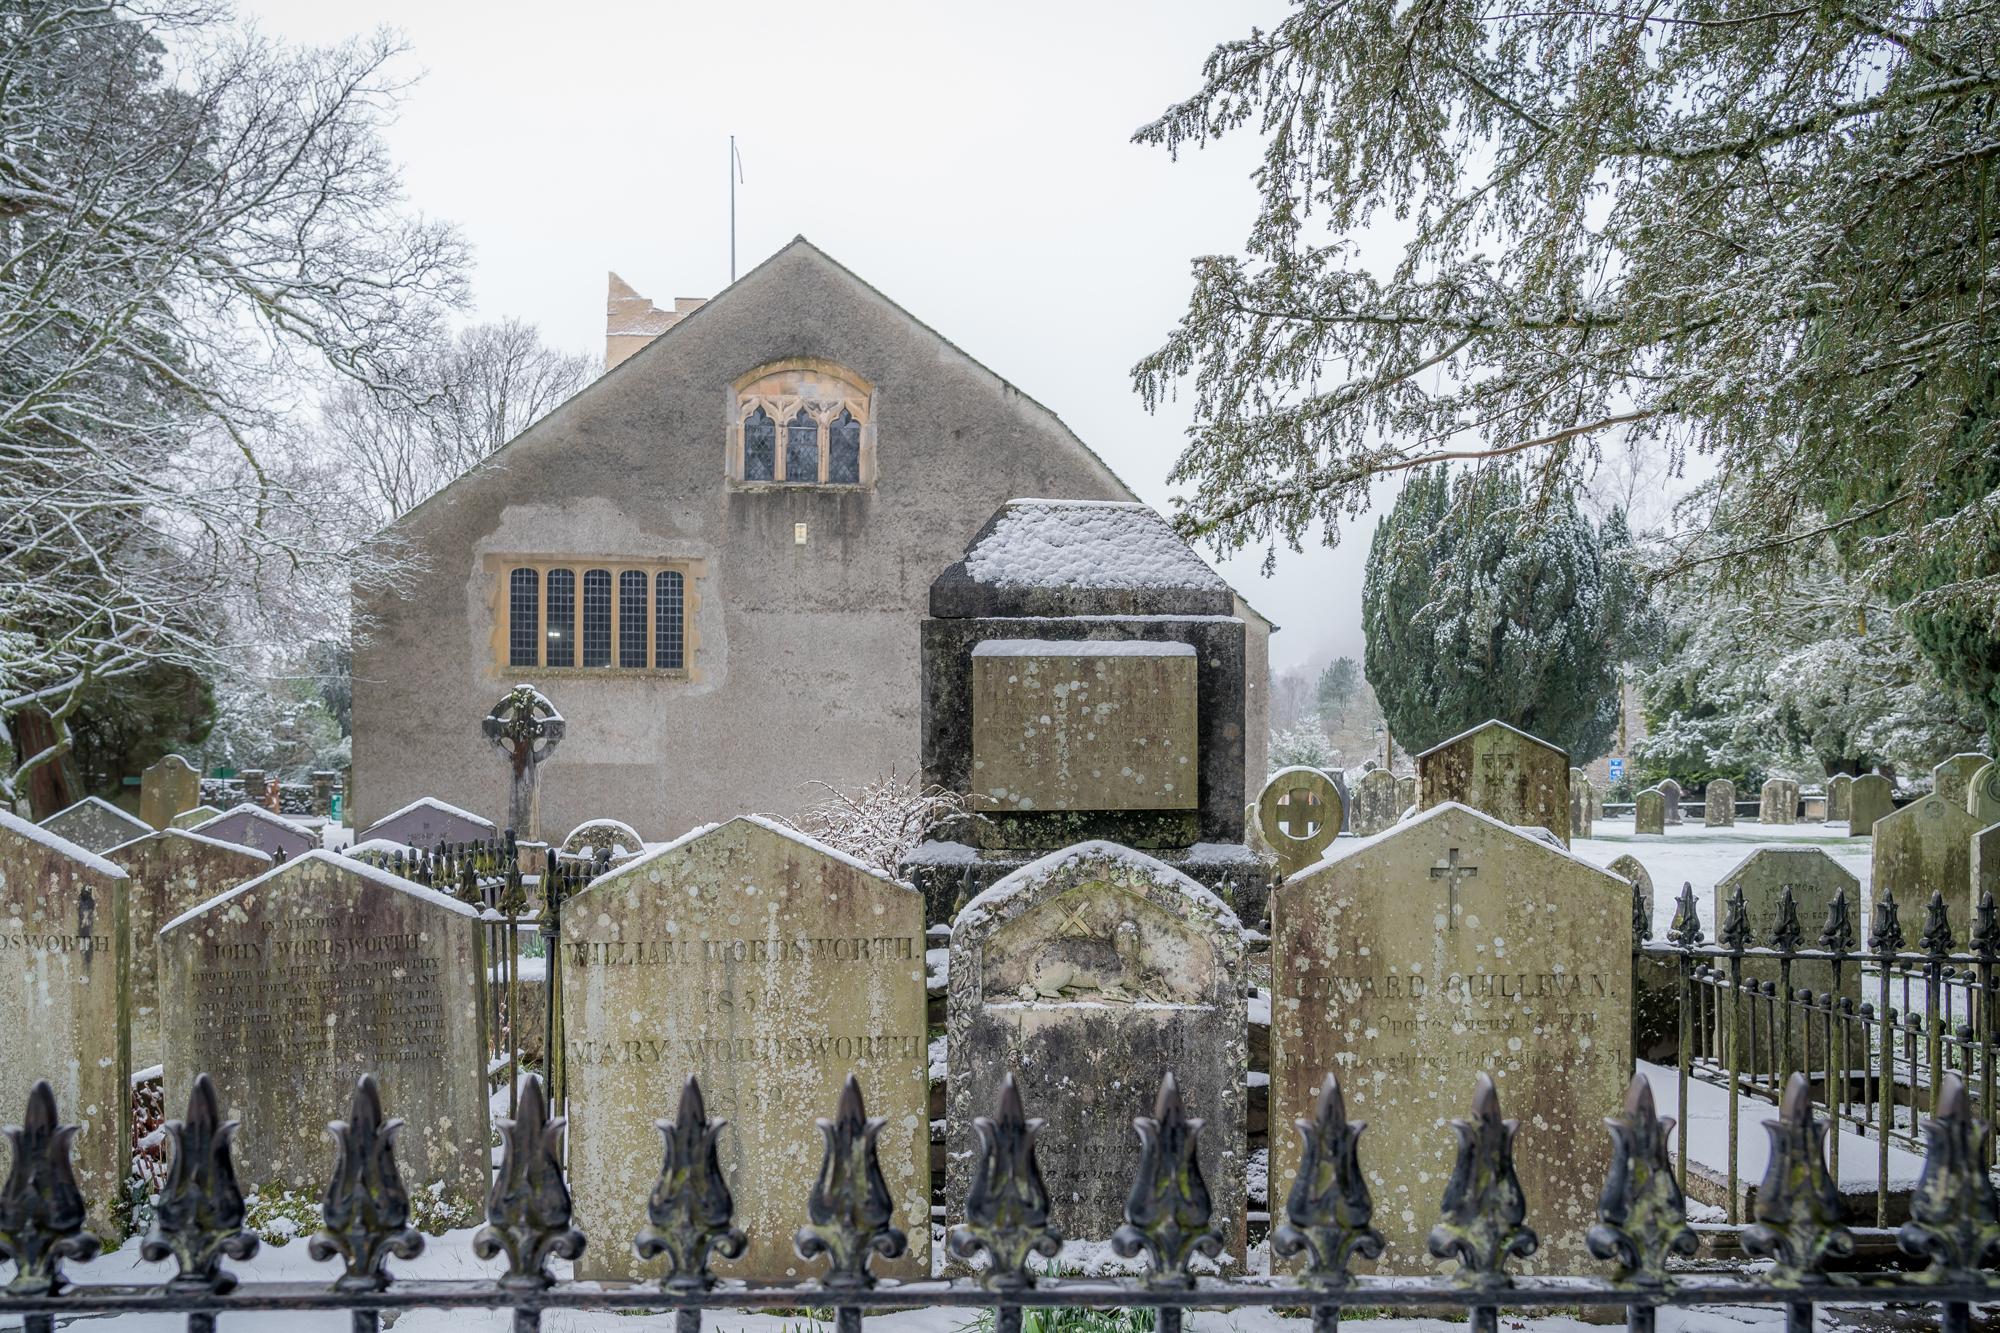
732 208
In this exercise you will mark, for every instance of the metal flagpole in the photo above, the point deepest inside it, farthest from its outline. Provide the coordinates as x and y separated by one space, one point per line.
735 175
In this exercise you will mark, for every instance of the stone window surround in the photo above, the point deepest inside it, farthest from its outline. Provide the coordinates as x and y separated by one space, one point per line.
499 570
776 387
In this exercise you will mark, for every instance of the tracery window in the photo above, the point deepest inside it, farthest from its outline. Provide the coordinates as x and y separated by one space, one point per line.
825 414
843 449
760 447
802 448
632 615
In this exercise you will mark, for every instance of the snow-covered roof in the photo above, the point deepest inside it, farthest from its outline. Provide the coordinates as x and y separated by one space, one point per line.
1036 872
246 807
57 843
1495 722
189 835
769 825
442 807
386 846
344 864
1081 648
1035 543
98 803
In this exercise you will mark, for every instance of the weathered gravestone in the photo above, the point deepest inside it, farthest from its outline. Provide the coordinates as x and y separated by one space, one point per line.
1581 815
1815 879
64 963
1299 813
169 873
770 967
1089 975
1927 845
602 837
95 825
1839 797
166 789
1868 800
1718 804
1503 771
1985 865
1409 792
426 822
1374 806
1408 965
1629 868
1649 811
1656 982
1982 795
195 818
1778 803
1953 777
288 988
253 826
1670 793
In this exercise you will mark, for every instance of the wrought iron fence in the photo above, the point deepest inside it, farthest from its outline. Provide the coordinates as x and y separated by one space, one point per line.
1642 1230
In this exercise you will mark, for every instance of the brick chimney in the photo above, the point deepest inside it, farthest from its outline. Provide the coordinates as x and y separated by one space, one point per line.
631 321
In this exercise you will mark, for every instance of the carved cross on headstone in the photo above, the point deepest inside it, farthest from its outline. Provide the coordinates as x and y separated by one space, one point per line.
1451 872
1296 814
1076 921
526 728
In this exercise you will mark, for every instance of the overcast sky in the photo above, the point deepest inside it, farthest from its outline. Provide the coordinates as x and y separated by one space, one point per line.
972 161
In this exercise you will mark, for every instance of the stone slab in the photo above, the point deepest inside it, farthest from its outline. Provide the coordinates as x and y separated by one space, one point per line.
1814 879
1373 808
1649 811
1671 791
1926 846
1582 808
95 825
167 788
1718 804
1778 802
1513 776
1839 797
1868 800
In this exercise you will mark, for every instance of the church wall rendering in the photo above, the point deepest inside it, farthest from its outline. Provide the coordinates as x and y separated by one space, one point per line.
750 633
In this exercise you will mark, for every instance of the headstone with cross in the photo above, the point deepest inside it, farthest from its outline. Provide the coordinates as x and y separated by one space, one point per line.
1503 771
526 728
1300 814
1452 872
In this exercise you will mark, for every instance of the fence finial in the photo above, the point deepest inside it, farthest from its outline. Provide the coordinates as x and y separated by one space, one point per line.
1684 932
850 1213
688 1214
1735 933
528 1204
1936 937
1007 1207
1787 935
1642 1216
198 1216
41 1208
1168 1210
1886 936
1954 1213
1837 935
365 1212
1329 1210
1483 1205
1798 1207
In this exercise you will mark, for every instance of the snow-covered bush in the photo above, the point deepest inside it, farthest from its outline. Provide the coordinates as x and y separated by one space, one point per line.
879 822
1305 745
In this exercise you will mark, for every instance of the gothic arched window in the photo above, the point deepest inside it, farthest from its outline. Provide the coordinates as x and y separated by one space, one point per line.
843 450
760 447
802 448
823 413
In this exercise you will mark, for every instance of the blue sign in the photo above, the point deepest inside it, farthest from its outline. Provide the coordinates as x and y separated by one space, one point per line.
1617 770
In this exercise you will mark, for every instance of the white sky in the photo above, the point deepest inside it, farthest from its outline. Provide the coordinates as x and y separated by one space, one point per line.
973 162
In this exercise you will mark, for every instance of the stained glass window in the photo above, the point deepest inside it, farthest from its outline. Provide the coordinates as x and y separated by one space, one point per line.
561 650
632 618
597 617
802 448
668 600
760 446
523 634
843 452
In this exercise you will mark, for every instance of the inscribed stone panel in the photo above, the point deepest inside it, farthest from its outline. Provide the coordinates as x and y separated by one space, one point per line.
1925 846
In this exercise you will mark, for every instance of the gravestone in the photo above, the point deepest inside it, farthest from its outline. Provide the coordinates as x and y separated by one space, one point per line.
1649 811
602 837
64 949
195 818
166 789
1927 845
1581 814
1090 974
170 872
1778 803
1814 806
1718 804
256 787
1298 813
1868 800
1952 778
770 967
1814 879
1407 965
1985 865
1839 798
288 988
253 826
426 822
1503 771
526 728
1374 808
1629 868
1670 793
1656 982
95 825
1982 795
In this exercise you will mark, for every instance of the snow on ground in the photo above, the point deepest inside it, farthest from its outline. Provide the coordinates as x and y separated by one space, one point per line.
1691 854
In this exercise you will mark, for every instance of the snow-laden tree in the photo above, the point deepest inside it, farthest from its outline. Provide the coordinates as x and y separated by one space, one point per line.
1304 745
194 221
1766 233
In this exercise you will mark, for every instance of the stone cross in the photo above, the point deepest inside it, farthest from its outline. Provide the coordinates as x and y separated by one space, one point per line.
1453 874
526 728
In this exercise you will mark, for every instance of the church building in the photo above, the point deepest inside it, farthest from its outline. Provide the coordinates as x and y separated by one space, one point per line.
713 560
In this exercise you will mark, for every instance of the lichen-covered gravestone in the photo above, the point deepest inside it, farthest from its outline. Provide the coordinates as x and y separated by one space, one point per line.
170 872
1581 814
1985 865
1778 803
1839 797
1814 879
427 821
1374 806
288 988
1951 778
1869 800
1409 792
253 826
1927 845
1649 811
1453 946
95 825
1656 982
64 959
770 967
1670 792
1503 771
195 818
1982 795
1088 975
166 789
1718 804
1299 813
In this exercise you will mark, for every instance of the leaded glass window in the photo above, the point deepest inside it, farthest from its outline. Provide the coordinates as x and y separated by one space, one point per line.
669 599
632 618
561 650
760 447
523 632
597 617
843 449
802 448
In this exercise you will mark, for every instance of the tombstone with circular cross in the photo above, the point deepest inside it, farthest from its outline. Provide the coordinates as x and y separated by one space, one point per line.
1299 813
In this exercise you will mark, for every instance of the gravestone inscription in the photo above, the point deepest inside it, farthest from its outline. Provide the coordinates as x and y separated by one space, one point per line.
1778 803
1927 845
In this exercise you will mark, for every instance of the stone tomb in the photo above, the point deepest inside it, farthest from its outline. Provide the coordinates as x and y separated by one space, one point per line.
64 959
1299 813
1581 812
195 818
1089 974
1839 797
1870 799
253 826
1374 807
166 789
770 967
1410 964
1649 811
426 822
290 987
171 872
1778 803
1953 777
1982 795
1926 845
1502 770
1671 792
1814 879
95 825
1718 804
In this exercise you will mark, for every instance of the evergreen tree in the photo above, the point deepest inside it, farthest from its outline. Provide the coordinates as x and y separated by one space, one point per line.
1336 689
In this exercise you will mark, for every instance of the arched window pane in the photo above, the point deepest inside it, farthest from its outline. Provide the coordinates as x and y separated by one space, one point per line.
561 648
632 618
760 446
843 449
802 448
668 602
597 617
523 634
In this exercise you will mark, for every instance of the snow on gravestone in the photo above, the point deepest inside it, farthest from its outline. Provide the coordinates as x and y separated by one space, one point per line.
1982 795
1409 964
1503 771
1868 800
1814 879
171 872
1374 805
166 789
770 966
1718 804
1298 813
63 967
253 826
95 825
288 988
426 822
1925 846
1089 974
1649 811
195 818
1951 778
